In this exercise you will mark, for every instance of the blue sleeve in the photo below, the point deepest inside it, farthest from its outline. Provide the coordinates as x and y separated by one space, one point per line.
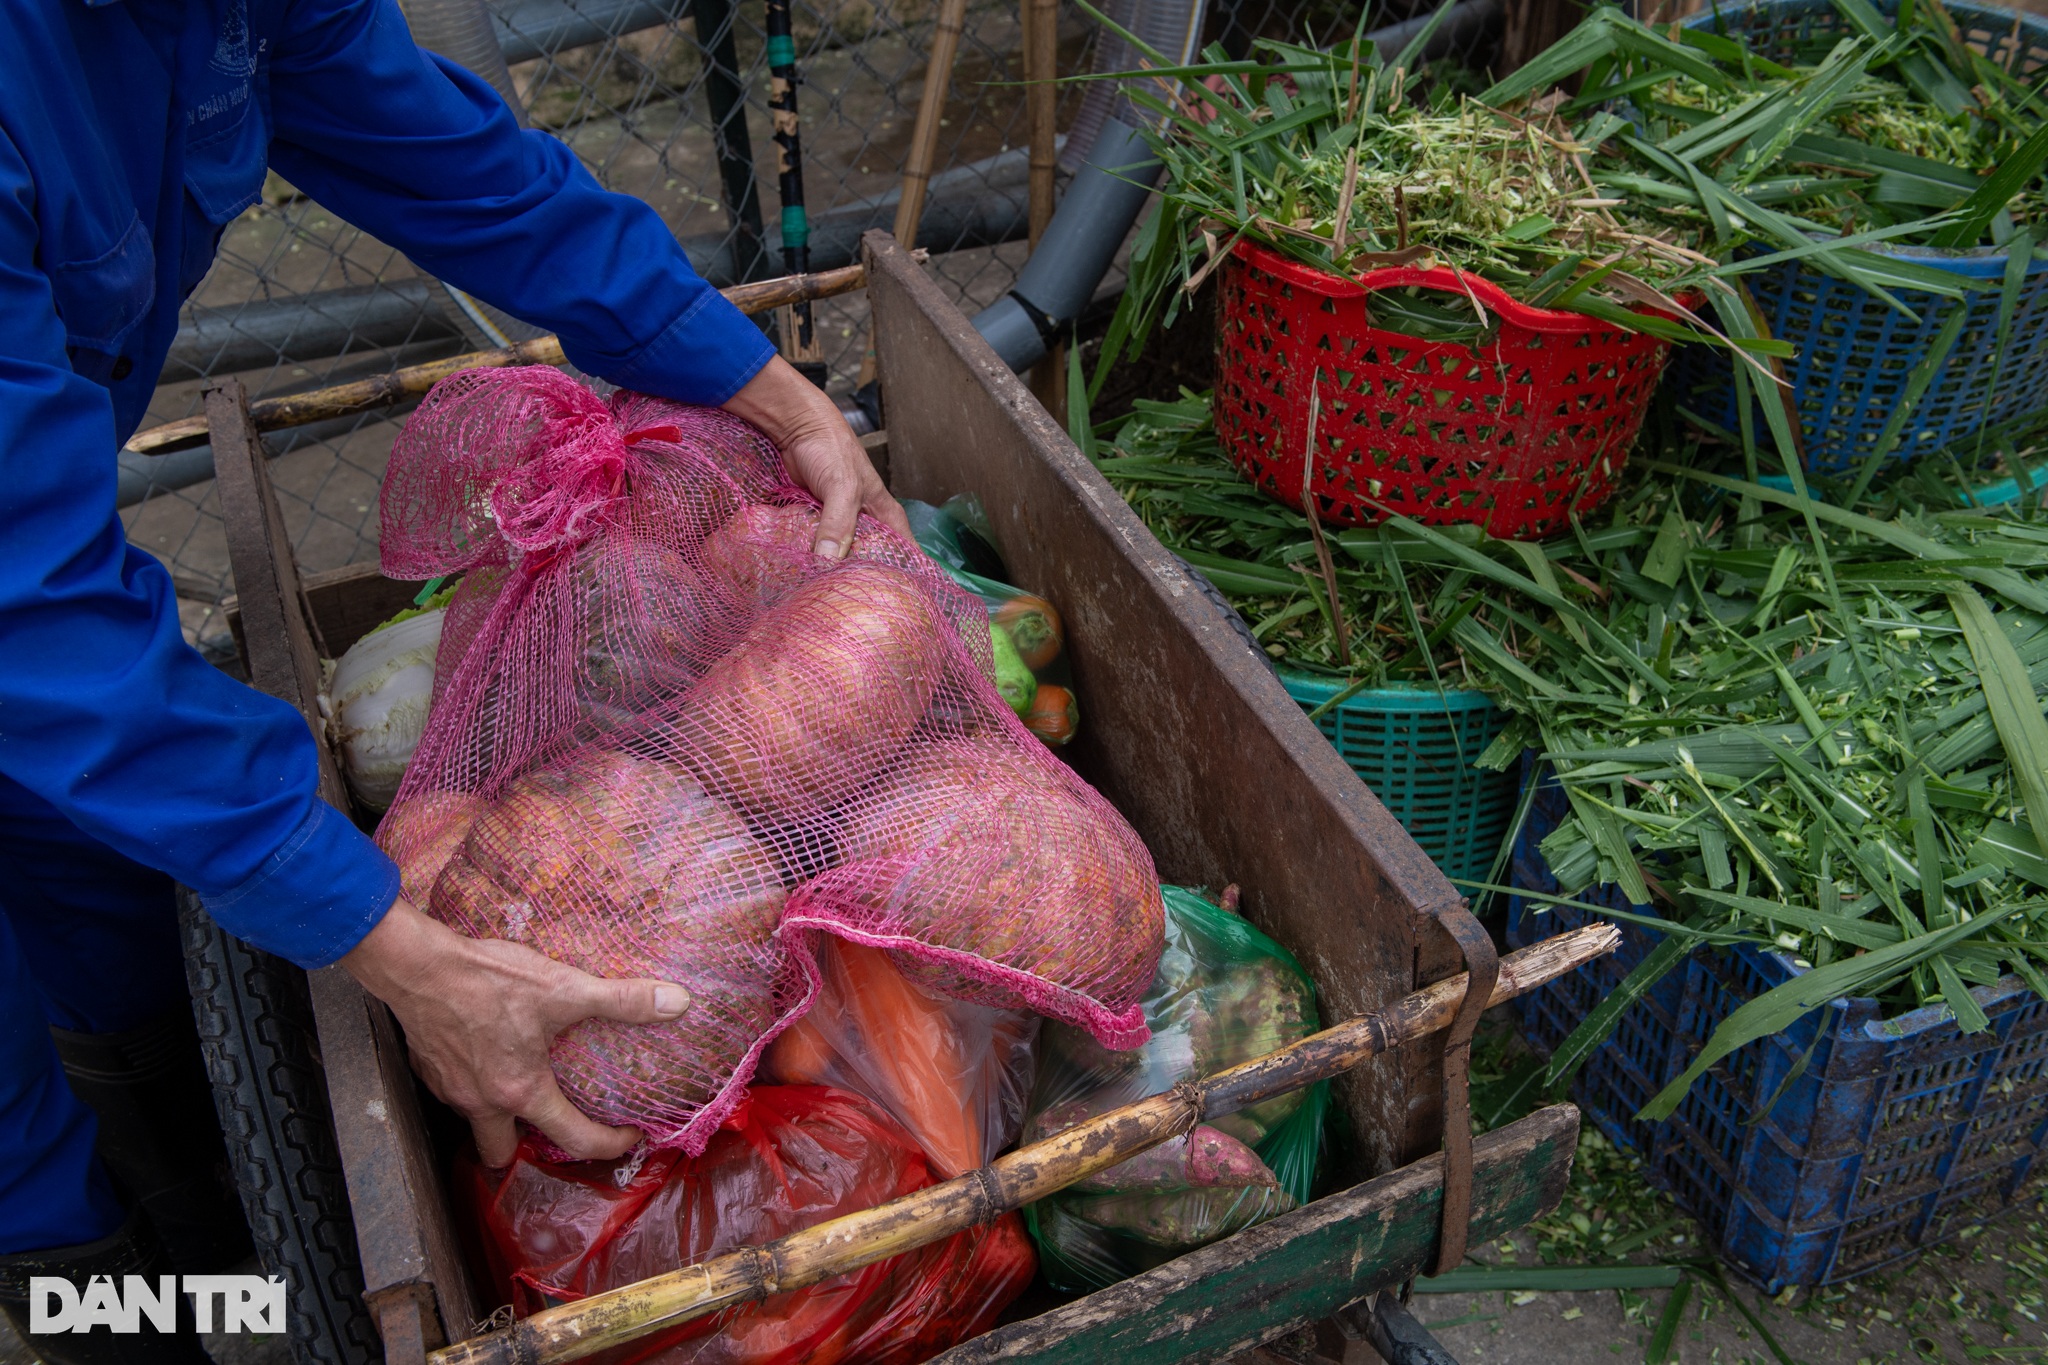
105 712
425 156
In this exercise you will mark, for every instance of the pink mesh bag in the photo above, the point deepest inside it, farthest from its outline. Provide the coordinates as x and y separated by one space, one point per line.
667 740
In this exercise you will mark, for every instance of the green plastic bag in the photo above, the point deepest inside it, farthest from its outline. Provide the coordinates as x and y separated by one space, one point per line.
1224 994
1024 629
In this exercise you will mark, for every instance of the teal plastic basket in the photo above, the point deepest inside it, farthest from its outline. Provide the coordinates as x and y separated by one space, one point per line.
1415 746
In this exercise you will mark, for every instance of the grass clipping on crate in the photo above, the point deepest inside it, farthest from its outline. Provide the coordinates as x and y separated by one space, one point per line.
1896 129
1915 160
1831 745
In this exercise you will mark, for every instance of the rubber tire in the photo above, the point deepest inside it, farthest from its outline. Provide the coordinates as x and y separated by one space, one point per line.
256 1030
1237 623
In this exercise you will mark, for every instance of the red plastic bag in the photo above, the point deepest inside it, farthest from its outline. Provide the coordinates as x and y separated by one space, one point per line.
956 1075
790 1157
666 740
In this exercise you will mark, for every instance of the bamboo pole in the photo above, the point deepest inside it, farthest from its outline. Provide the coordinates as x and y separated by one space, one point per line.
1041 105
617 1316
346 400
924 140
931 106
1048 378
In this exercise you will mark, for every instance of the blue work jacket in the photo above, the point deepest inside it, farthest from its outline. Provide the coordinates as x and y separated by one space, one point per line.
131 133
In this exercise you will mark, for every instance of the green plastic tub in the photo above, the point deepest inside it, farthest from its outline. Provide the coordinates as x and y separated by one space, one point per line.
1415 746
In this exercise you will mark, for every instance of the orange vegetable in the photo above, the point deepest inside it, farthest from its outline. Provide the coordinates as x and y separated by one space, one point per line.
1034 627
914 1051
1055 714
800 1055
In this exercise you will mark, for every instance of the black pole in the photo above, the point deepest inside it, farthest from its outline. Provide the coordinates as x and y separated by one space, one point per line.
802 348
727 97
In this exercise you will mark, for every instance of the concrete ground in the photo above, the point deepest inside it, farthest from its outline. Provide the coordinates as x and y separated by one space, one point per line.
1979 1301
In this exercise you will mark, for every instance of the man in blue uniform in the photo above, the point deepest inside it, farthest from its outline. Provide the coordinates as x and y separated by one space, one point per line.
131 133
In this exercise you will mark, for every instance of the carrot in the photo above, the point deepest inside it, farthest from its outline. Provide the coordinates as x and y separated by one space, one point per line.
1034 627
1055 714
915 1052
800 1055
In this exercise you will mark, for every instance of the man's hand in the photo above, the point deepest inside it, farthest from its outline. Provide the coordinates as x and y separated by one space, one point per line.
479 1015
821 452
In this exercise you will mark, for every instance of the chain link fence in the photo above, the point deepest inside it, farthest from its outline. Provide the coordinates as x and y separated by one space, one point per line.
665 100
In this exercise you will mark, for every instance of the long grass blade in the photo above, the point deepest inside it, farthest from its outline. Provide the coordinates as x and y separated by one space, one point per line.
1989 199
1668 1323
1777 1008
1600 1022
2015 708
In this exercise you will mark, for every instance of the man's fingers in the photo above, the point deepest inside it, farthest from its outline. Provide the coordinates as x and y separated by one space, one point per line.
570 1129
497 1139
841 499
886 509
626 1000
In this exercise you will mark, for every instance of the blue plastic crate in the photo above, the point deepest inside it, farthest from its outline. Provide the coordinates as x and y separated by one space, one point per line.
1854 351
1843 1144
1415 746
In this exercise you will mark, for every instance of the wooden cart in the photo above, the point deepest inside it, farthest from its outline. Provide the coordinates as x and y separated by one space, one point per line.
1188 732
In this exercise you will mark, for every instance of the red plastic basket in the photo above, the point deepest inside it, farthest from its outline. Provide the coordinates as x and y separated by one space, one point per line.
1511 435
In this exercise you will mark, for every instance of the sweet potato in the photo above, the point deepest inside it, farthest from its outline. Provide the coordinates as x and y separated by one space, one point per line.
624 867
648 624
1007 855
819 694
1202 1159
763 551
423 833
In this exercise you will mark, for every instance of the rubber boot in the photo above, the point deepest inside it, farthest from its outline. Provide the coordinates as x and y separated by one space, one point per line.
134 1250
159 1135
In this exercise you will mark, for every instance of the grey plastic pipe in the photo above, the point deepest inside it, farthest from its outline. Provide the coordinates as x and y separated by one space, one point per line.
1105 198
541 28
1110 189
1115 178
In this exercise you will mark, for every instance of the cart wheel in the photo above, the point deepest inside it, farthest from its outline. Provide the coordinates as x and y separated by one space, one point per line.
256 1030
1237 623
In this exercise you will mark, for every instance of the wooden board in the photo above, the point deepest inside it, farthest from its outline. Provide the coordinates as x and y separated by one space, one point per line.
1183 725
287 665
343 603
413 1275
1299 1268
413 1267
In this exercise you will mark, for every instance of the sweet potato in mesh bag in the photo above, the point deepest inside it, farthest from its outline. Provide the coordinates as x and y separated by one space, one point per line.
1000 876
662 726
